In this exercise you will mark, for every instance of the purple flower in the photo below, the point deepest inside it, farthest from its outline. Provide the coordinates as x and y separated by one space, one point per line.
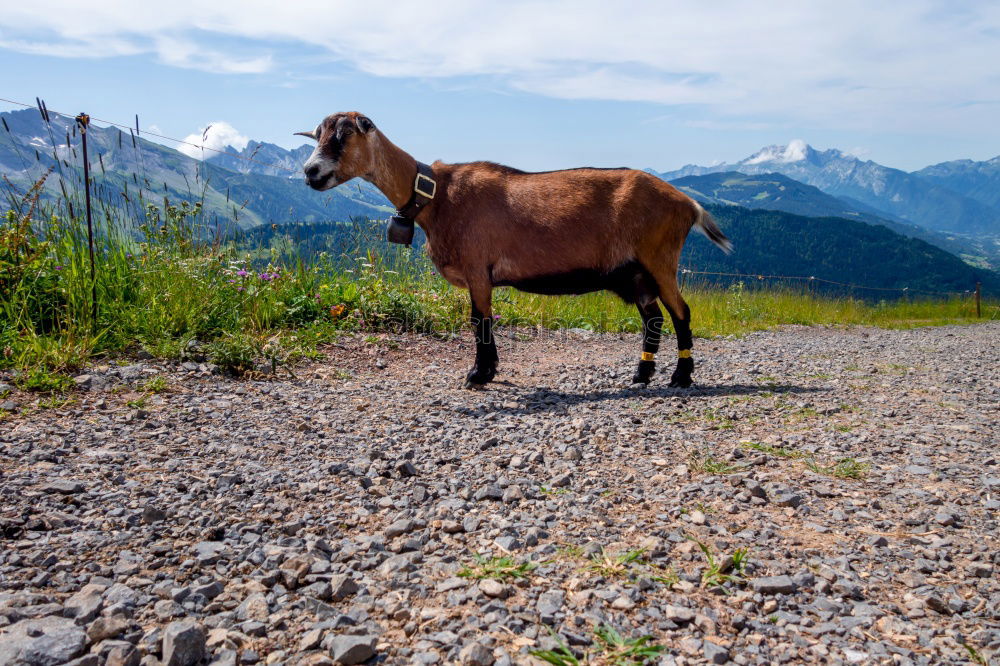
242 273
231 281
59 268
495 317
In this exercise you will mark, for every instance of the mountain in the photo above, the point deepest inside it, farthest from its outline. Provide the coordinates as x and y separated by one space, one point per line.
896 194
771 242
133 170
975 180
774 191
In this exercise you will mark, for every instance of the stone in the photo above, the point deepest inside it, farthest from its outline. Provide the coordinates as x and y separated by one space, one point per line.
86 603
183 643
715 653
494 588
341 587
400 527
63 487
475 654
254 607
45 641
773 585
678 614
349 650
786 499
107 627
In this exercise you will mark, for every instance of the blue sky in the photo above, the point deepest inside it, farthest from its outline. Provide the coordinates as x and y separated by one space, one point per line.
535 85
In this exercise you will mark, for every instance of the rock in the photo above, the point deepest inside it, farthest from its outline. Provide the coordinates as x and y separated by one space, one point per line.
475 654
86 603
550 603
678 614
400 527
773 585
786 499
63 487
714 653
183 643
341 587
107 627
208 552
349 650
152 514
254 607
494 588
45 641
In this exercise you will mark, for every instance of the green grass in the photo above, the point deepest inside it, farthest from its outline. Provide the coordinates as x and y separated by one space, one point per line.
498 568
778 451
718 573
618 565
610 648
845 468
168 285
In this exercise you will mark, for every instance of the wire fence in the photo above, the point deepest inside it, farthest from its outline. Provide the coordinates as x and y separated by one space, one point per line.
810 282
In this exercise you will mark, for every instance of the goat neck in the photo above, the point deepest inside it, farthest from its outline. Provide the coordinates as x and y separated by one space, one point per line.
394 171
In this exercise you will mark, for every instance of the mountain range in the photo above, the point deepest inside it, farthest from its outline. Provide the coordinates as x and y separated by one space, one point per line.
953 205
133 170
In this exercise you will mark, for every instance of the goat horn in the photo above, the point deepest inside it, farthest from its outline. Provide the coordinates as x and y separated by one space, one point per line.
311 135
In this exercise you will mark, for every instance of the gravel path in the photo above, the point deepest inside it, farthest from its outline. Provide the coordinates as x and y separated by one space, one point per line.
331 516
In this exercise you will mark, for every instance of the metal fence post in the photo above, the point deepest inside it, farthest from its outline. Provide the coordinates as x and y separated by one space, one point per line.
84 120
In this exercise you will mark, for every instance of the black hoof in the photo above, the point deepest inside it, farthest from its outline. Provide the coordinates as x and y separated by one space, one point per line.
478 378
680 381
644 373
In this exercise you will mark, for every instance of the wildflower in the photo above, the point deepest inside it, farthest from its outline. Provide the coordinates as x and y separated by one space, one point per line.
495 317
231 281
242 273
337 310
324 286
59 268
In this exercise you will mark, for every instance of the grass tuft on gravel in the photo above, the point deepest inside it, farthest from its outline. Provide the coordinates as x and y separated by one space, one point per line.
845 468
610 648
504 568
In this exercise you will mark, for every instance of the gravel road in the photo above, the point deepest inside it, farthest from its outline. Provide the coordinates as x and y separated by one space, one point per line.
844 483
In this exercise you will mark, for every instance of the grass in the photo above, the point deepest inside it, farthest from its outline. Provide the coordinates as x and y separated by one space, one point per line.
718 573
778 451
844 468
709 465
615 566
498 568
610 648
545 490
169 284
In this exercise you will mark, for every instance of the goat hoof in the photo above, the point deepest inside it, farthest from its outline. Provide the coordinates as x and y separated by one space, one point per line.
478 378
680 382
644 373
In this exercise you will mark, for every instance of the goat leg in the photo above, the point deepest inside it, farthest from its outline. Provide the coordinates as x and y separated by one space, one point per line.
485 367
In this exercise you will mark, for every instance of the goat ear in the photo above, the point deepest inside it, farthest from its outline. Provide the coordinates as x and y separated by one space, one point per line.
365 124
311 135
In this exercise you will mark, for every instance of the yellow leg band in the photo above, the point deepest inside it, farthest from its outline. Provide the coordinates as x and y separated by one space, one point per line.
648 356
684 353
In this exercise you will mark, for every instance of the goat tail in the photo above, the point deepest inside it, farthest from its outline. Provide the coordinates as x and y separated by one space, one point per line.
705 223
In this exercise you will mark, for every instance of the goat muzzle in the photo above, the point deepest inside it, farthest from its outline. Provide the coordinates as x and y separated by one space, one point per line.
400 230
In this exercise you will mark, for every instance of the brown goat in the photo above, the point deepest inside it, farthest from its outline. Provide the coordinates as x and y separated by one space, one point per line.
555 232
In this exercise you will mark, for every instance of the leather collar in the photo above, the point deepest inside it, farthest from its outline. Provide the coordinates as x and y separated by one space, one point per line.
424 189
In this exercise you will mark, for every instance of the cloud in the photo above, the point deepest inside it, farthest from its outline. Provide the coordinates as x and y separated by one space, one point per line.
217 135
845 63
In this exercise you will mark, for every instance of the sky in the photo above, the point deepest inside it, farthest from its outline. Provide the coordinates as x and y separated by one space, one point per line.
537 85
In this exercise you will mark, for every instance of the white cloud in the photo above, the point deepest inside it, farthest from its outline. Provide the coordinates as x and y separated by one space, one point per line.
843 63
217 135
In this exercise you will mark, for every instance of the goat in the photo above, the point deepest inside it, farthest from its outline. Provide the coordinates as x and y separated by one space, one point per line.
556 232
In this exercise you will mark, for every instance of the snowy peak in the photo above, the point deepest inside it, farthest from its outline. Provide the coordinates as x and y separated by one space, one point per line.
797 150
